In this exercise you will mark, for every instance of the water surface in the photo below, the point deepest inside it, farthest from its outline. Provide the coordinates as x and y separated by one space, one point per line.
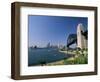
47 55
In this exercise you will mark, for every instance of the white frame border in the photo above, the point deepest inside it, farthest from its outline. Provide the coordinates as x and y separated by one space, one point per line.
38 70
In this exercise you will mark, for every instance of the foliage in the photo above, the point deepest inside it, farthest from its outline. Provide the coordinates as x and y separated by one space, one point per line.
81 57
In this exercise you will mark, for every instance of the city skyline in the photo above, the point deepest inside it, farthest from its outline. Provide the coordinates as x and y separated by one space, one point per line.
52 29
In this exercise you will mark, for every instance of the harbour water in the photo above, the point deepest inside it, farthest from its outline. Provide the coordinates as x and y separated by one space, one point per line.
46 55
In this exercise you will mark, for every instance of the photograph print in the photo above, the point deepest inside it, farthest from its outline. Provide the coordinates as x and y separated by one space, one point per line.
57 40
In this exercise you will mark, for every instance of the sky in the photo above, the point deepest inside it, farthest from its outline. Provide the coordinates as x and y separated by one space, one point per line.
53 29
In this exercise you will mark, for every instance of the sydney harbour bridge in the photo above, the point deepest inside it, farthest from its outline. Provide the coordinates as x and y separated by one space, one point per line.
80 38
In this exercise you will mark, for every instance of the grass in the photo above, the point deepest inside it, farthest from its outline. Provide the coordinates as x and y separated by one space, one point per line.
81 57
70 61
76 60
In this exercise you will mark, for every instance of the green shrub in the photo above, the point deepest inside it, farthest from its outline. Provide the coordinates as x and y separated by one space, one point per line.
82 58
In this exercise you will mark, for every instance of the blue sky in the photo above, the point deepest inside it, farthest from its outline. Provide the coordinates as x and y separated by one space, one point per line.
53 29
